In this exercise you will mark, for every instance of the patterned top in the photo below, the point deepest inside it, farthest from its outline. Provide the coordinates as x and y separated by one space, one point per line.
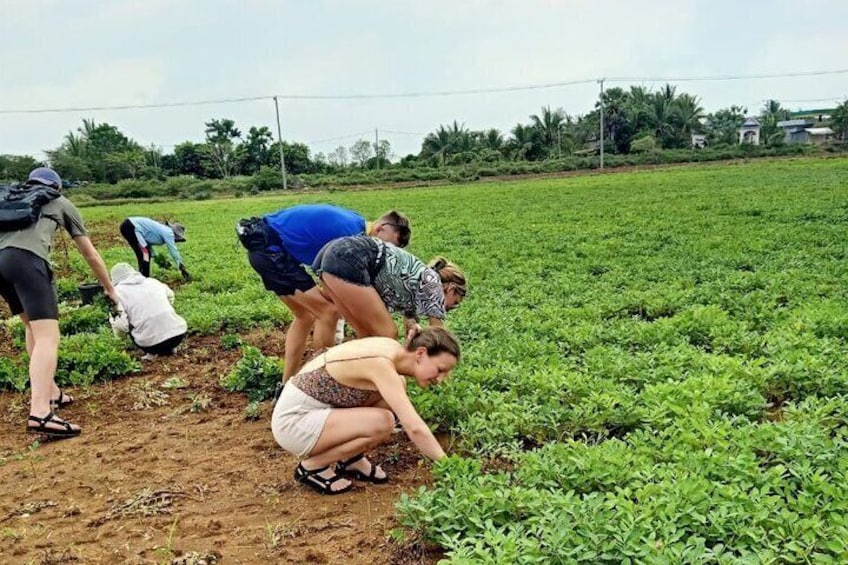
321 386
409 286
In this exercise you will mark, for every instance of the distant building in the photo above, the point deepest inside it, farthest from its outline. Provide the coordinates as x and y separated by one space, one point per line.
817 136
699 140
794 131
801 130
750 131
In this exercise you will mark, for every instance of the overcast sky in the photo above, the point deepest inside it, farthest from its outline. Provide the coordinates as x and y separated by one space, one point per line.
82 53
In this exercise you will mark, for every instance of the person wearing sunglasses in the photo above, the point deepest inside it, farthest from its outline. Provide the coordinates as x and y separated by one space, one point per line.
367 279
279 244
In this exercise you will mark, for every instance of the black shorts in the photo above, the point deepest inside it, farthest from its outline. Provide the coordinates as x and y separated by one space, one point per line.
281 273
355 259
26 283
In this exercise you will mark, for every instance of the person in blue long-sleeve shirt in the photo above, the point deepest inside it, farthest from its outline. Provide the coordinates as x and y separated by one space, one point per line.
143 233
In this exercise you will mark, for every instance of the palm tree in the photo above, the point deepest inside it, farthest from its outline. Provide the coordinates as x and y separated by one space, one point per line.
549 127
688 115
772 113
446 141
524 143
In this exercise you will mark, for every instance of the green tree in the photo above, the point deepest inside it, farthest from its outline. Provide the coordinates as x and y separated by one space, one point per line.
187 159
256 149
446 142
549 126
16 167
839 121
297 157
524 143
772 113
722 125
361 151
221 149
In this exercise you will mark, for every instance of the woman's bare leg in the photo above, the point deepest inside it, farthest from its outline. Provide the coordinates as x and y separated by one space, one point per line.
361 306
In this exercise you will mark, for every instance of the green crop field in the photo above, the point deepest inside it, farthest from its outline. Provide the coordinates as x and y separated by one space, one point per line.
654 363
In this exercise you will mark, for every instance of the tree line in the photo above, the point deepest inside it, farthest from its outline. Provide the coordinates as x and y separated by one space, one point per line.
636 120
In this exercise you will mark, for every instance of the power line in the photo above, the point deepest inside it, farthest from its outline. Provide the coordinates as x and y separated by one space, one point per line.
338 138
417 134
422 94
727 77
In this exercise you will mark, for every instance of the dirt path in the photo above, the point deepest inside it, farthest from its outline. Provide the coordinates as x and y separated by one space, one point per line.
176 475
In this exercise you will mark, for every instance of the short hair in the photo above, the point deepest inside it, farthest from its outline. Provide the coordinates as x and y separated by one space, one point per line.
398 220
449 273
435 340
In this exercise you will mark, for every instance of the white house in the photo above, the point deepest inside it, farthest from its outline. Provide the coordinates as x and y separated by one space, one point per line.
750 131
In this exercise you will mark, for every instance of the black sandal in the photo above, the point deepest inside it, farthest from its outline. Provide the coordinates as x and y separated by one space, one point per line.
342 469
62 401
58 433
318 483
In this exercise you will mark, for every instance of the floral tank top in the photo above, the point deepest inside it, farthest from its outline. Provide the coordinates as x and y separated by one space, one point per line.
321 386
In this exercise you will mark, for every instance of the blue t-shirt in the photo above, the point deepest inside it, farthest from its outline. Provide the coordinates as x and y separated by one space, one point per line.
306 228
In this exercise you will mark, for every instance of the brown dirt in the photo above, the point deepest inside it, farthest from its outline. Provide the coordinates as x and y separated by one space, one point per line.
165 484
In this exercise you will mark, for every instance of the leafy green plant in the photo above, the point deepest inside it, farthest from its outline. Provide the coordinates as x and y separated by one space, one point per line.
254 374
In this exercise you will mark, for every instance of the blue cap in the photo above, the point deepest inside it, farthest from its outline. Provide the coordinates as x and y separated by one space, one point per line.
45 176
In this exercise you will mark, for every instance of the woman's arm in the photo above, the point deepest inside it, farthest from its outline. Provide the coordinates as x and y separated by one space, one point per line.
391 387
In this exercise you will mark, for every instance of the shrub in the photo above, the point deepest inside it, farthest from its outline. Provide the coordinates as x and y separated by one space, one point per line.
254 374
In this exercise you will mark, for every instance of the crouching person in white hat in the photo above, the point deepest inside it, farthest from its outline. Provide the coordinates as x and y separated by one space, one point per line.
147 312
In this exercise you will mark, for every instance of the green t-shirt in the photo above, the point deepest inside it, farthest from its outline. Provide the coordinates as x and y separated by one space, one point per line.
38 238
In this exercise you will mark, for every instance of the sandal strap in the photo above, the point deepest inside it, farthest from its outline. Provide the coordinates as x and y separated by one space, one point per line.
306 475
50 418
346 463
304 472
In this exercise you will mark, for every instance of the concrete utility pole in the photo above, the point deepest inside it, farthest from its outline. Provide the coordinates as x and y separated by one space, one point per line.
377 147
280 140
602 122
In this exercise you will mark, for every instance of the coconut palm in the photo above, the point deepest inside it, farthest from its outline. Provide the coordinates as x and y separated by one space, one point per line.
549 126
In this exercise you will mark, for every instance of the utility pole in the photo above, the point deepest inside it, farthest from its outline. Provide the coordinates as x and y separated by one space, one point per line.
559 141
602 122
377 147
280 140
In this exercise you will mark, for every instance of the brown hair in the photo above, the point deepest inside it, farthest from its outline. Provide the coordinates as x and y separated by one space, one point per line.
449 273
400 221
435 340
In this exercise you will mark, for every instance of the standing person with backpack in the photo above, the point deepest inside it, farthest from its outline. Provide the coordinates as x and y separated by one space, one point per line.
143 233
30 217
280 243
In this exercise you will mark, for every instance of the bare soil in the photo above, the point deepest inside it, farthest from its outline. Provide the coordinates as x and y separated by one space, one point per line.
179 475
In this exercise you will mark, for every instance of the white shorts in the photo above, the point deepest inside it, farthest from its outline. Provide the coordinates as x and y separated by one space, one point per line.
298 420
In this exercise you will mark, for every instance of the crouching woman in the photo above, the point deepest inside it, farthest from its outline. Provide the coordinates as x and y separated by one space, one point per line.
147 312
344 401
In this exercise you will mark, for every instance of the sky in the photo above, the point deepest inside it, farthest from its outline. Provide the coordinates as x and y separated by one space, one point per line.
91 53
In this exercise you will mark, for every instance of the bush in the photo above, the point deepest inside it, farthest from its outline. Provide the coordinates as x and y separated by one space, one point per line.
254 374
13 375
88 358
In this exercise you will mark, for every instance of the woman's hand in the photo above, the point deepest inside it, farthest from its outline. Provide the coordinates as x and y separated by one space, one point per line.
411 328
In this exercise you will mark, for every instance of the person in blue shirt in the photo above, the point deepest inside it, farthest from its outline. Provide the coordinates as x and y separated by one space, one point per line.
143 233
279 245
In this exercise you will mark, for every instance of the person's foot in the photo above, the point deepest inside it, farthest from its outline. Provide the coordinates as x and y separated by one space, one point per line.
312 479
361 469
52 426
59 398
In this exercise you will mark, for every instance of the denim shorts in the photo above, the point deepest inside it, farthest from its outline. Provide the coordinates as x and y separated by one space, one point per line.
281 273
355 259
26 283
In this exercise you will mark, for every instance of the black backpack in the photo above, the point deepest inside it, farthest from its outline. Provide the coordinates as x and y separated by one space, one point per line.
20 206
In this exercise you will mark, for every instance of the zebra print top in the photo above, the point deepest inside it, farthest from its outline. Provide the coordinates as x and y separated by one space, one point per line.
409 286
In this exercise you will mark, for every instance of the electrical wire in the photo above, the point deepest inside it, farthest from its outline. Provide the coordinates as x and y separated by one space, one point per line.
422 94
